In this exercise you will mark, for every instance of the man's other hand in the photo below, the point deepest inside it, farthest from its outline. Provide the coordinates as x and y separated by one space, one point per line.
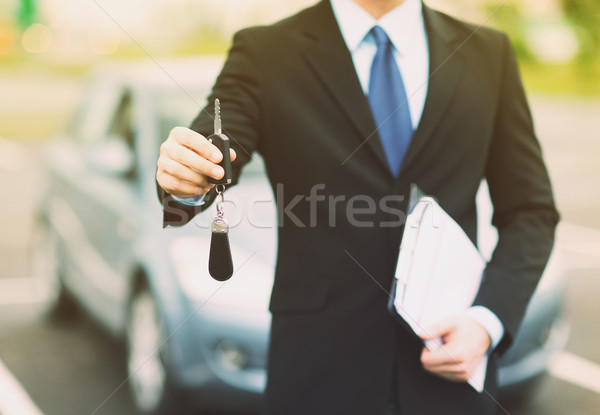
185 162
465 343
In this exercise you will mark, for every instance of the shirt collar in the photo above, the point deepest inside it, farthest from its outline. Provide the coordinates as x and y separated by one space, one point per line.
399 23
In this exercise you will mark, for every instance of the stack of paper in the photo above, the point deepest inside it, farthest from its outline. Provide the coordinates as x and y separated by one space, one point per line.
438 273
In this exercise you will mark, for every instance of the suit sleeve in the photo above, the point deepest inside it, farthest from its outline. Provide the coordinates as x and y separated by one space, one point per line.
238 89
524 210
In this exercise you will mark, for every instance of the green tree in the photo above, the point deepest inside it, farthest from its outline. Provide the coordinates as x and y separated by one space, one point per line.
585 14
26 13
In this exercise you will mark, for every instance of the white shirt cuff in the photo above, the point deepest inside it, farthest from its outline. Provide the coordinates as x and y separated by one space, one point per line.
490 322
190 201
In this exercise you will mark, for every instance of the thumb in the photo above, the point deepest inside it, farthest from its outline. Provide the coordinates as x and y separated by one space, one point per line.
439 329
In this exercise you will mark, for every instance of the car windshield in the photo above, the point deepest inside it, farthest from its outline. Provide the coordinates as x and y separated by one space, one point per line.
177 108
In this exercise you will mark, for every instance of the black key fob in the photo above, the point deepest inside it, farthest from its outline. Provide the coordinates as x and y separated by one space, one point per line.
221 141
220 264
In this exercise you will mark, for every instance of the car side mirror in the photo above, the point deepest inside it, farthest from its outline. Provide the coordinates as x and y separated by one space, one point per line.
111 156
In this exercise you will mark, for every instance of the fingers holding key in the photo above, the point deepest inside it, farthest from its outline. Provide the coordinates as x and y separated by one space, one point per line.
186 161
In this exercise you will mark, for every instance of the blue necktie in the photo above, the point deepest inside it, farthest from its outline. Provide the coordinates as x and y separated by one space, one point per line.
389 103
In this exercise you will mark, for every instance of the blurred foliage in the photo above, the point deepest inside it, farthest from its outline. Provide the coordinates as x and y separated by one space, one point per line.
203 42
580 77
26 13
574 79
585 15
508 19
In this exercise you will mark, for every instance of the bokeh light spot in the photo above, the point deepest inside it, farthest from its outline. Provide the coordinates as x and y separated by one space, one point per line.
37 38
103 43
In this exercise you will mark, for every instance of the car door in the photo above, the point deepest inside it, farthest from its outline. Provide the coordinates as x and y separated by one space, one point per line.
94 201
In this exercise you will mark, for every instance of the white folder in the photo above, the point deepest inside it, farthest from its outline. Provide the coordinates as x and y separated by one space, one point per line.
438 274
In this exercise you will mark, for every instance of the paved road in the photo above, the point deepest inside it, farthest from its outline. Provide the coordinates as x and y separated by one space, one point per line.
71 368
68 368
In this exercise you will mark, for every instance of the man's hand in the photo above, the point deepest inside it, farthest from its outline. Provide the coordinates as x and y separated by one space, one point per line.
465 343
185 162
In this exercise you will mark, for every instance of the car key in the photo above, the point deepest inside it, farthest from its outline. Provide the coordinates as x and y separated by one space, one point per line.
220 263
221 141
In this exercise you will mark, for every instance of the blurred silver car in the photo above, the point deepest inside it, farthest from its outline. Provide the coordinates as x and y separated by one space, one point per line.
190 341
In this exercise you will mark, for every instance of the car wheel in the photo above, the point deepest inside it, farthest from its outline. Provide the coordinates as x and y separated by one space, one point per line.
46 268
152 388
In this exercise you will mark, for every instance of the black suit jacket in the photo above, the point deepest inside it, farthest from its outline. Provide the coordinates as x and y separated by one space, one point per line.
290 92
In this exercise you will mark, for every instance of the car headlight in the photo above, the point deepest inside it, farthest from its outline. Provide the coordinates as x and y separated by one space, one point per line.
231 355
249 287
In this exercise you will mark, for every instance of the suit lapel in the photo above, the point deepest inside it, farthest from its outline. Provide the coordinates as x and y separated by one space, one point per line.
445 72
327 53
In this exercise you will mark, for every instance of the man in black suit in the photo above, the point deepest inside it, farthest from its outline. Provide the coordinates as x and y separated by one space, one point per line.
302 93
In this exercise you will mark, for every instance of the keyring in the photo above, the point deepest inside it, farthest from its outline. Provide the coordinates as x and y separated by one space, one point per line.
220 201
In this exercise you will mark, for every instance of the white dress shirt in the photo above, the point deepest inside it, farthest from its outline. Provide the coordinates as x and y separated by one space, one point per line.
405 27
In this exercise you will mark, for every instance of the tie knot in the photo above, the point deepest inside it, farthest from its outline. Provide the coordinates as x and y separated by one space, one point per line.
381 38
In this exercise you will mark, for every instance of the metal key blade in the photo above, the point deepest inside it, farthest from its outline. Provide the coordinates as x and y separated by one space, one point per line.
217 116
